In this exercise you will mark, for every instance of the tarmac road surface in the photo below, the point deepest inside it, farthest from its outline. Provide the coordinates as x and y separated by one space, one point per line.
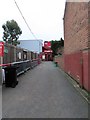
43 92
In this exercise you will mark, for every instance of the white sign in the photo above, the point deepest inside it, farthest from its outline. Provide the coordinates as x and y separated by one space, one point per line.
19 55
43 57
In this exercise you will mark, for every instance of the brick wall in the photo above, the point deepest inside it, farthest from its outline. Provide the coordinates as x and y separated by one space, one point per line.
77 42
73 66
89 69
60 61
86 71
76 27
89 24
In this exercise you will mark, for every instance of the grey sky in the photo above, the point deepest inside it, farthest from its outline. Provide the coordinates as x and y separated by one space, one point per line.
45 17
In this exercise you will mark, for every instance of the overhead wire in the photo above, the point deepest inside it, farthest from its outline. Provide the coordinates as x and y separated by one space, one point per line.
25 20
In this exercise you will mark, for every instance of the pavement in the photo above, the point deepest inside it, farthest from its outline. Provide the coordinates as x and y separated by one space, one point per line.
85 94
43 92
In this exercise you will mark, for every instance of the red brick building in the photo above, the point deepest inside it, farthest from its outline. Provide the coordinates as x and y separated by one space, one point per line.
77 42
47 52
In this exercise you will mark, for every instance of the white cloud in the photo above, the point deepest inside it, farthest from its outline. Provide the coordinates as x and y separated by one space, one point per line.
43 16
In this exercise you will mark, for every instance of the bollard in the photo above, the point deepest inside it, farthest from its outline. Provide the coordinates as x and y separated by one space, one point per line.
56 64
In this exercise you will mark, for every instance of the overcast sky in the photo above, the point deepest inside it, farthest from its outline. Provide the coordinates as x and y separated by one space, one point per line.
45 17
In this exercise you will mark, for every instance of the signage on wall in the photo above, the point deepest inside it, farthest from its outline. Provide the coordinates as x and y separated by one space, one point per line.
5 50
47 44
1 49
19 55
47 51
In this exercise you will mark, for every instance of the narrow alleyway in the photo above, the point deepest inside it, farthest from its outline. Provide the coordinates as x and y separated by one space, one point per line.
43 92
